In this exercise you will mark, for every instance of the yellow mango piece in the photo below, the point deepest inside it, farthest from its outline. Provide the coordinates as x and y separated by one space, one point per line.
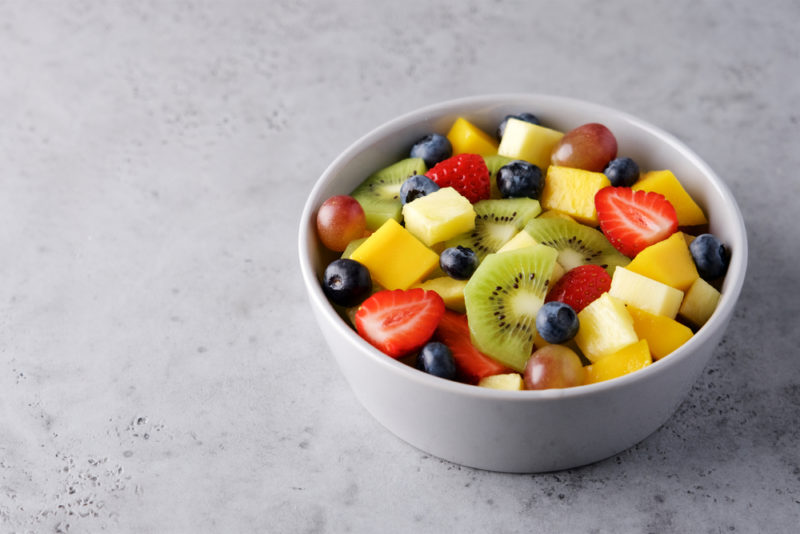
531 142
506 381
466 138
627 360
439 216
664 182
450 289
645 293
605 327
668 261
700 302
572 191
395 258
663 335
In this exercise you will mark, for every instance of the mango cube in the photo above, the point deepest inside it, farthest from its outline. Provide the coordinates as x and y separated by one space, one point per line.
450 289
395 258
466 138
668 261
700 302
605 327
506 381
665 182
531 142
438 216
645 293
572 191
663 335
627 360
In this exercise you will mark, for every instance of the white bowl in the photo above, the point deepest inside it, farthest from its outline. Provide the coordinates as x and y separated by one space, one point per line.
521 431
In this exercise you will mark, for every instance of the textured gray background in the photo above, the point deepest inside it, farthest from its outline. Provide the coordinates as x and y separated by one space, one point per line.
159 369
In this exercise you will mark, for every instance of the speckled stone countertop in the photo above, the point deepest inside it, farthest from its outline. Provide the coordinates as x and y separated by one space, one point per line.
160 370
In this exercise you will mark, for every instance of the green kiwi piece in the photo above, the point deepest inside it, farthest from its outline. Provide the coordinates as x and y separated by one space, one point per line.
496 222
577 244
502 298
352 246
493 163
379 194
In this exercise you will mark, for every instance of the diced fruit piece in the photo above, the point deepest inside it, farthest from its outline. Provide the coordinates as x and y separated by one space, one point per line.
699 303
710 256
520 179
553 366
622 172
340 219
439 216
633 220
351 246
589 146
466 138
577 244
525 116
557 322
555 214
450 289
502 299
663 335
346 282
645 293
496 222
379 194
668 262
458 262
466 173
505 381
436 359
494 162
417 186
665 183
580 286
432 148
472 365
398 322
521 240
606 327
627 360
531 142
395 258
572 191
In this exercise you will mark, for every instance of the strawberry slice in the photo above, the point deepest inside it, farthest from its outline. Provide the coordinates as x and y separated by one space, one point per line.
632 220
466 173
471 364
399 321
580 286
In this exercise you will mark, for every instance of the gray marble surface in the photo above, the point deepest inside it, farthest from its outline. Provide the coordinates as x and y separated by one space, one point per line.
160 370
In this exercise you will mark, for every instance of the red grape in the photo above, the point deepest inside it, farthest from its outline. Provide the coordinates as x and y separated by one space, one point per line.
553 366
589 147
340 219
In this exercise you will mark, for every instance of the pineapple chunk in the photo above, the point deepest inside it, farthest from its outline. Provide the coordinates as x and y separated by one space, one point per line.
555 214
605 327
700 302
572 191
645 293
668 261
450 289
521 240
506 381
627 360
394 257
439 216
664 182
663 335
531 142
467 138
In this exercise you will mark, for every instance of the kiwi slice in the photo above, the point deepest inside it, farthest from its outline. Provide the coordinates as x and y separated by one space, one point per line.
496 222
379 194
493 163
577 244
502 298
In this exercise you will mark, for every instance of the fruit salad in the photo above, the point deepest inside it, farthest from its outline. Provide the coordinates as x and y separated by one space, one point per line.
525 258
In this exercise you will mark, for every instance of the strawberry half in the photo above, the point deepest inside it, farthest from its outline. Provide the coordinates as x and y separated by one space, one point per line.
471 364
580 286
466 173
633 220
399 321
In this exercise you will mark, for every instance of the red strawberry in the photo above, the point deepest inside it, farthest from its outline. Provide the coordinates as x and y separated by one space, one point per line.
580 286
632 220
466 173
399 321
471 364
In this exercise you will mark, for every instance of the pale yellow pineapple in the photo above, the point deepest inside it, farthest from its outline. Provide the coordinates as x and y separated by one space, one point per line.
450 289
571 191
700 302
438 216
506 381
645 293
605 327
530 142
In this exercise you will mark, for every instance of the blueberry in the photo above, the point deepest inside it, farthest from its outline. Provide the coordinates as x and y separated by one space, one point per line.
458 262
346 282
520 179
710 256
417 186
556 322
436 359
526 117
432 148
622 172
